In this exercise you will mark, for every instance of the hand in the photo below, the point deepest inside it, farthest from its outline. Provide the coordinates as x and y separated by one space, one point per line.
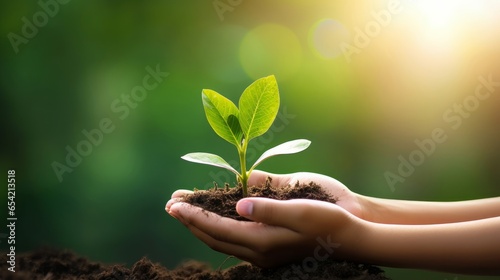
282 231
346 199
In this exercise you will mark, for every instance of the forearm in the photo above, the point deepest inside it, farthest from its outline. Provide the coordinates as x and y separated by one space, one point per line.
390 211
467 247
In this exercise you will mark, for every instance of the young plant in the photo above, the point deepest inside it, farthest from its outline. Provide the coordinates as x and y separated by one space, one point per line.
258 107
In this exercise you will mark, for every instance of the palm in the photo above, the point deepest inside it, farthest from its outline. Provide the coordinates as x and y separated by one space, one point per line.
345 197
282 231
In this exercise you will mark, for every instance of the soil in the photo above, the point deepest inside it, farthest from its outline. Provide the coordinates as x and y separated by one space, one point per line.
51 264
222 201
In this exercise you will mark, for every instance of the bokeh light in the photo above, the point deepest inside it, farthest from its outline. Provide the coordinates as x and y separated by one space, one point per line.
326 37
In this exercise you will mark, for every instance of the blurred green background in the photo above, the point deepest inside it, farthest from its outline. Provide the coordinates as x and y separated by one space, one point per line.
362 84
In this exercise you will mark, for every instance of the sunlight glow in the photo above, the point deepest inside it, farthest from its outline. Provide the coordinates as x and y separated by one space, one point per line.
326 36
438 14
445 18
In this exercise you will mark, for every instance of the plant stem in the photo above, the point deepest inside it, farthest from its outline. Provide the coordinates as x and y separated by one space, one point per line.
243 164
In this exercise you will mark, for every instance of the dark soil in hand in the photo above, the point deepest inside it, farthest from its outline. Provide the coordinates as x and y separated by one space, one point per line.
222 201
46 264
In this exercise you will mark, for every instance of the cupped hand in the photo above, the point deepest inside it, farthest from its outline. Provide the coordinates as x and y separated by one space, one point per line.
281 231
346 199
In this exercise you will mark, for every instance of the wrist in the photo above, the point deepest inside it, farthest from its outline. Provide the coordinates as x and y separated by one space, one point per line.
355 239
369 208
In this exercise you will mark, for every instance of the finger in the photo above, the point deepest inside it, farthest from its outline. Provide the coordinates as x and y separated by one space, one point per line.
176 197
291 214
258 177
256 236
339 190
181 193
232 249
267 257
219 228
171 202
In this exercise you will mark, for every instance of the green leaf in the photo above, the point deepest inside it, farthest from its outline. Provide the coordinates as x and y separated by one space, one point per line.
209 159
259 106
290 147
222 115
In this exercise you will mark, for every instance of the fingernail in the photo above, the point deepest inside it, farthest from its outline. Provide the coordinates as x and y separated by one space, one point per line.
245 208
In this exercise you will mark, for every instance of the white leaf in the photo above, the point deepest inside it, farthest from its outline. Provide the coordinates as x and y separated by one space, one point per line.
290 147
210 159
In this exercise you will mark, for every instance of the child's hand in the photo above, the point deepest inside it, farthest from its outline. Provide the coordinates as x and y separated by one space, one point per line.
345 198
282 231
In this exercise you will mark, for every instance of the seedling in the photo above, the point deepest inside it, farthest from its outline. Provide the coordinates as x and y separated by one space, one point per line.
258 107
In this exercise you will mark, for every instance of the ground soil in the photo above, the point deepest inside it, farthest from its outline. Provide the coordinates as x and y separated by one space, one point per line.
49 264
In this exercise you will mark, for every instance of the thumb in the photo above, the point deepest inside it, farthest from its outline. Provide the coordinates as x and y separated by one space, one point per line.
284 213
